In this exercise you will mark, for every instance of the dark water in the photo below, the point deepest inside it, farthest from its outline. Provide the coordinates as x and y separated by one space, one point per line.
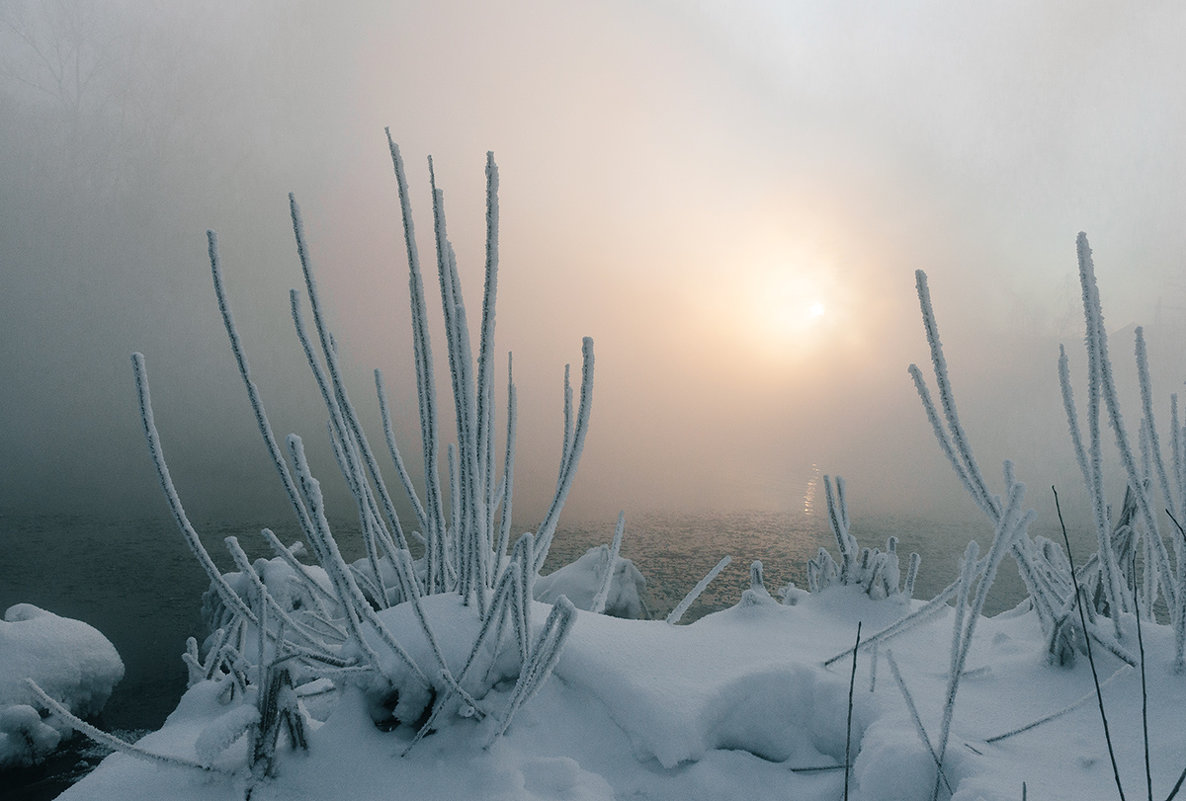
138 584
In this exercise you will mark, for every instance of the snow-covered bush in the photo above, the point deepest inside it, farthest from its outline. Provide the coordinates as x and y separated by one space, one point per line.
70 660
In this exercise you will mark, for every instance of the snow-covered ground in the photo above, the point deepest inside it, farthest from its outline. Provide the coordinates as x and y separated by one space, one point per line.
735 705
70 660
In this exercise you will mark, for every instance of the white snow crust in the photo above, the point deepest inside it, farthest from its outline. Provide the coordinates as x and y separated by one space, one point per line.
68 659
735 705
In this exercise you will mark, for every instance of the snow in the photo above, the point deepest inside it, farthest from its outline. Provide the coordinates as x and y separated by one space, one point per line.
70 660
224 731
580 580
735 705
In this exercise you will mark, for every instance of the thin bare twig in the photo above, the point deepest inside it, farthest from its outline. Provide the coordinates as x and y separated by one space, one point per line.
852 678
1087 640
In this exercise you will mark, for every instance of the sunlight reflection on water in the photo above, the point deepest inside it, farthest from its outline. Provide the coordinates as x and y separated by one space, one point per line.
809 493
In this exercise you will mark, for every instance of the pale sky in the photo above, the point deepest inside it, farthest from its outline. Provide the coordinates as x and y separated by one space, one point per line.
730 198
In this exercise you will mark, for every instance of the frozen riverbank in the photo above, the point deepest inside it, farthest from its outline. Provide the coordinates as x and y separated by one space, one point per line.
736 705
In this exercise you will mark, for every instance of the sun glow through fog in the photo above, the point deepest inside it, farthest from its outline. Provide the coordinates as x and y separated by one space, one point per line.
790 307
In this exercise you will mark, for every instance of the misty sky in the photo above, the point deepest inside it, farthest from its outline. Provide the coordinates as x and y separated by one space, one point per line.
730 198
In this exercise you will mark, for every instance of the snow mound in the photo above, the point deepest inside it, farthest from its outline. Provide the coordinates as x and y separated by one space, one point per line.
580 580
738 704
70 660
285 587
721 683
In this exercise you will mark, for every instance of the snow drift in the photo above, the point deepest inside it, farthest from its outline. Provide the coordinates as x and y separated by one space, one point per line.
70 660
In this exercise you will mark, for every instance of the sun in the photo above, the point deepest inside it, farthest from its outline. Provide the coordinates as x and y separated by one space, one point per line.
787 308
779 305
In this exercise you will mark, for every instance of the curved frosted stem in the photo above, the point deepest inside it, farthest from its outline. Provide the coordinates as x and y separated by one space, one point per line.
257 406
602 594
947 399
569 468
229 597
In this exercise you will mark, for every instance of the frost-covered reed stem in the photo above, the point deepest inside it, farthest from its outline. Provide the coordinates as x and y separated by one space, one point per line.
229 597
1055 715
1011 526
425 384
257 406
486 351
336 425
599 598
700 587
339 574
113 742
508 467
568 468
919 728
901 626
320 594
957 444
566 439
1178 591
1178 444
354 602
912 574
397 459
757 578
1068 399
838 522
519 597
1098 343
266 602
358 457
968 568
522 600
458 349
1090 461
544 655
1180 623
454 541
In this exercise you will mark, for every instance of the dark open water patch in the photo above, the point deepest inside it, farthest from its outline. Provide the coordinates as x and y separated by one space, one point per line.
73 760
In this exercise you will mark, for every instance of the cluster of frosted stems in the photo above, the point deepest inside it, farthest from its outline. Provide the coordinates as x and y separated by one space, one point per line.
265 645
877 572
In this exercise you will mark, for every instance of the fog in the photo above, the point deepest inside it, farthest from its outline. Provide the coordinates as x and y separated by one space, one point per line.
731 199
